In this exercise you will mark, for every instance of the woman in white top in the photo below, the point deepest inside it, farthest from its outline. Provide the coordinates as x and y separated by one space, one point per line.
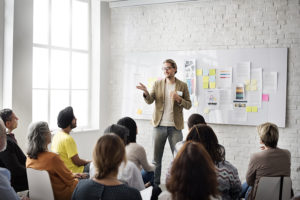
135 152
128 172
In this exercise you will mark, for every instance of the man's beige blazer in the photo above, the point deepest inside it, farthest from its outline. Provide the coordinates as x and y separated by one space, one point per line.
158 95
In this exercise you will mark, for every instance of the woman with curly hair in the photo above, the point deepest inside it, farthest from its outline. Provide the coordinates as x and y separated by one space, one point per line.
193 175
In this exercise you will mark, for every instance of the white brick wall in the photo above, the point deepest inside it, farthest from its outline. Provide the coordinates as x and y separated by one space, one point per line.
219 24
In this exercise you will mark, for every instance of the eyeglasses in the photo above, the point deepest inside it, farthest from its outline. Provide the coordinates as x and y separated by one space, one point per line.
166 68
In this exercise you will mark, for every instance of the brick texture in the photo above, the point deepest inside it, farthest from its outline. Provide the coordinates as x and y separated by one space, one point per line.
202 25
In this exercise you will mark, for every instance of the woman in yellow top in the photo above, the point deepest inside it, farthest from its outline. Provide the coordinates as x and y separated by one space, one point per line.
62 180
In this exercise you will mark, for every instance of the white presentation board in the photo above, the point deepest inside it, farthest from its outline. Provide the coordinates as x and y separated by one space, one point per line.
230 86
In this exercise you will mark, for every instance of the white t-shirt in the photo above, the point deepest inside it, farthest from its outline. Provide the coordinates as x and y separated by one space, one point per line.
128 174
168 115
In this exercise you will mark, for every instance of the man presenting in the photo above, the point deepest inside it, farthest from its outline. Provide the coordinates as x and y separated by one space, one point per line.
170 95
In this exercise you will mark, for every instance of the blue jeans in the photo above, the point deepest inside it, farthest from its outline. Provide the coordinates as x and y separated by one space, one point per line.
161 134
147 176
245 191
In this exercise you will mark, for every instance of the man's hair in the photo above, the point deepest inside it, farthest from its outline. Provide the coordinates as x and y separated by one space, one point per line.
131 125
65 117
195 119
268 133
6 115
119 130
172 62
205 135
108 154
193 174
37 139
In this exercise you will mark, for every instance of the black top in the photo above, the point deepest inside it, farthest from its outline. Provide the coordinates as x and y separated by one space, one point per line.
14 160
91 190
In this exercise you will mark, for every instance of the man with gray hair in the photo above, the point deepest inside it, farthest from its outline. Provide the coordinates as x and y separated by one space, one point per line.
6 191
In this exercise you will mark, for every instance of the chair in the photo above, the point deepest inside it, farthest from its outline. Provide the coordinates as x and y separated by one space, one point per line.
271 188
39 185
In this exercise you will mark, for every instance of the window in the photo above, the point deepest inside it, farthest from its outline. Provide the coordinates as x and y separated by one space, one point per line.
62 60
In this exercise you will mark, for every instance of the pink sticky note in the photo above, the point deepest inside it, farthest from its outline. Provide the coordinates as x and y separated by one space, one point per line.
265 97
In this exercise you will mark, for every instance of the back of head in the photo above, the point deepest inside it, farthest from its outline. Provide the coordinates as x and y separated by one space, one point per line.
131 125
195 119
6 114
2 136
119 130
193 174
65 117
268 133
108 154
37 138
206 136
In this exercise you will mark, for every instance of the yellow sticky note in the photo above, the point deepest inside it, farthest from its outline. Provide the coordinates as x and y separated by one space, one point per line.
253 82
206 111
247 82
212 85
248 109
199 72
196 103
212 72
205 85
254 108
247 87
139 111
253 87
205 78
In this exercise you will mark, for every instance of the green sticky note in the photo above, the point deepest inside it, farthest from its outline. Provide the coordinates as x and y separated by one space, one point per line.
212 85
248 109
212 72
254 108
199 72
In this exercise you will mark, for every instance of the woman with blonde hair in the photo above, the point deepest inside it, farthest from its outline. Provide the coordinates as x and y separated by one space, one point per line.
271 161
108 155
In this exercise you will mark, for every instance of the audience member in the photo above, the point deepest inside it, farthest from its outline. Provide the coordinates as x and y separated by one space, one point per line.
62 180
193 175
128 172
229 183
271 161
108 155
135 152
65 145
13 158
192 120
6 191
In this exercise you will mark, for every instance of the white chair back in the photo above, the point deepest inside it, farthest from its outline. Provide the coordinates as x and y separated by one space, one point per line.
269 188
39 183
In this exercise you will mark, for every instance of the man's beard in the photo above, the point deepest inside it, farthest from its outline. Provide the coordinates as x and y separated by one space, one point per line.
73 126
